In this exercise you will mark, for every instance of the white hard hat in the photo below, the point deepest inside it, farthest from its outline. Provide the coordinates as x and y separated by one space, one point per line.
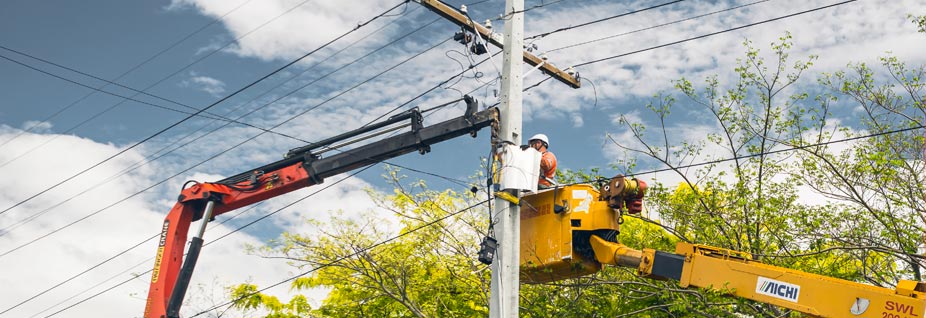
540 137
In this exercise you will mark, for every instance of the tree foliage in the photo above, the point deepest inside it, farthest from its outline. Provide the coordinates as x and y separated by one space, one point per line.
771 144
920 22
428 271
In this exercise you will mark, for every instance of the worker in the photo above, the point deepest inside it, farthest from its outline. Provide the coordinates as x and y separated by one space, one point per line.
541 143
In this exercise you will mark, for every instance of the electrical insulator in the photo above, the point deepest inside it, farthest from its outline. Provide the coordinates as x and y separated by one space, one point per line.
488 24
531 47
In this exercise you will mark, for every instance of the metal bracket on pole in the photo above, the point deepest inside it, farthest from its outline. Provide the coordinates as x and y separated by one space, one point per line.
464 21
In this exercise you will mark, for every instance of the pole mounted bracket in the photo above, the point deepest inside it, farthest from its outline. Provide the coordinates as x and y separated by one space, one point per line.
462 19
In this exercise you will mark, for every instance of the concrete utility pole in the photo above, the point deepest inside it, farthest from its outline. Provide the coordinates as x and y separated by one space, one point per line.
503 300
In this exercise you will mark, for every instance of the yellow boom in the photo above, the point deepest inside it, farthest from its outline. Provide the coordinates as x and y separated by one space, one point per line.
582 236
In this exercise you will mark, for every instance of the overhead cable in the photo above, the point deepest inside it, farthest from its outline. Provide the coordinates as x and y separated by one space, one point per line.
229 149
150 159
713 33
236 92
120 76
657 26
600 20
771 152
164 78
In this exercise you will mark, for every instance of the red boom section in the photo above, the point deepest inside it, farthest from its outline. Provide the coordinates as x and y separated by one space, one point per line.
300 168
190 207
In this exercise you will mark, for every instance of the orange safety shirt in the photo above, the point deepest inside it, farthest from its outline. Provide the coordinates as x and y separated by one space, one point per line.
547 168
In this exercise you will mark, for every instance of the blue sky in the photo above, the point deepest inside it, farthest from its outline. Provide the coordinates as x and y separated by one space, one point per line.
108 38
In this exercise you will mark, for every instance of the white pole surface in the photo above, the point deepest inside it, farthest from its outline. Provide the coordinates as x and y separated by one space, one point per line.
503 300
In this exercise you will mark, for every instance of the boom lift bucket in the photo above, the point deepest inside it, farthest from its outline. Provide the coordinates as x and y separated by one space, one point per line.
557 225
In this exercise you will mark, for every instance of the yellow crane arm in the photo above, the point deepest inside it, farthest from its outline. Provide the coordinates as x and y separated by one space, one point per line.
566 232
735 273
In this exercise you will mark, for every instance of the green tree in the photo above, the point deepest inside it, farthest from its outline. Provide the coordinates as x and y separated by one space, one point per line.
919 21
879 179
429 271
746 198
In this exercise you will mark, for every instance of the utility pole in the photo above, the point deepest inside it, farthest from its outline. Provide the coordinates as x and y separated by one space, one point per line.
505 283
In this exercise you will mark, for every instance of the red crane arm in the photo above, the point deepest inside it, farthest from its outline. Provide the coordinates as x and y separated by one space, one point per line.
301 168
190 207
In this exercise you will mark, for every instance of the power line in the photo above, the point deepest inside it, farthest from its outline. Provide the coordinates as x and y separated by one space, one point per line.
265 105
713 33
111 107
191 168
896 131
34 68
97 285
203 109
120 254
252 207
156 55
148 160
536 6
656 26
212 116
77 275
97 294
431 89
600 20
226 150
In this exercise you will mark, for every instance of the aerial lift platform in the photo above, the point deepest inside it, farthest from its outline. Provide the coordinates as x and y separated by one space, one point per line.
572 231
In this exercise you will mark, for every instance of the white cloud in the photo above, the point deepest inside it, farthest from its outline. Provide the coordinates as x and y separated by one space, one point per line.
297 26
577 120
213 86
37 126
